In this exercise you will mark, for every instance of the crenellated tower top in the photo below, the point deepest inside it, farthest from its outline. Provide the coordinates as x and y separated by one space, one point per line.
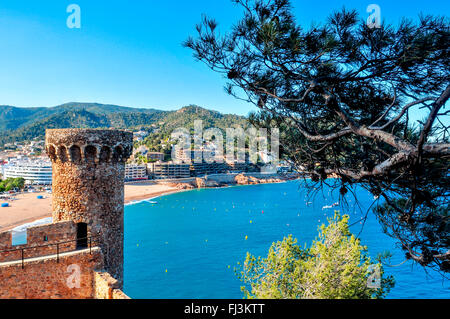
88 145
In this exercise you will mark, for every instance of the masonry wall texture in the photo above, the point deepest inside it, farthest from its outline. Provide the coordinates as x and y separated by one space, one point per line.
88 176
107 287
41 240
47 278
5 240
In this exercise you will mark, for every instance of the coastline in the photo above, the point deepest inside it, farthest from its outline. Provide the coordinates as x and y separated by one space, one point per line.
33 219
28 209
140 198
180 190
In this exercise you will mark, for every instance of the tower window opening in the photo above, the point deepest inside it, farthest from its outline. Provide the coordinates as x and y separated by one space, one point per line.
82 241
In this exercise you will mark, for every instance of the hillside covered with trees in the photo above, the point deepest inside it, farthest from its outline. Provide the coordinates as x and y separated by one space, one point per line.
22 124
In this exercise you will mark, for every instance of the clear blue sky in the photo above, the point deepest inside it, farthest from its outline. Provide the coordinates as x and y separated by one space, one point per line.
129 52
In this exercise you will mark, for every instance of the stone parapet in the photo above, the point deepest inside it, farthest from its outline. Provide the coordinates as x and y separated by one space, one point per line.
42 240
52 277
107 287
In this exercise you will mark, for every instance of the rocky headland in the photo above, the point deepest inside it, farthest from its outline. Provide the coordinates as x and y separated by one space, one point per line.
240 179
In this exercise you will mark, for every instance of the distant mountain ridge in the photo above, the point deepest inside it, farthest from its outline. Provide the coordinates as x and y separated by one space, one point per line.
19 124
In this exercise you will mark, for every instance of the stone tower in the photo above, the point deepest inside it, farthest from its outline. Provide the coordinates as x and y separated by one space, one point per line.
88 176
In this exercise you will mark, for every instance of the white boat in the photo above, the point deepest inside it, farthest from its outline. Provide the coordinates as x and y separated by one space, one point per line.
330 206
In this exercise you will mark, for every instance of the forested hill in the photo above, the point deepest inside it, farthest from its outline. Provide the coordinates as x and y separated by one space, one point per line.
21 124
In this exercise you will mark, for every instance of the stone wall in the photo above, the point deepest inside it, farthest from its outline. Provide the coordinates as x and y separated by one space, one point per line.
48 278
41 241
52 233
119 294
106 287
5 240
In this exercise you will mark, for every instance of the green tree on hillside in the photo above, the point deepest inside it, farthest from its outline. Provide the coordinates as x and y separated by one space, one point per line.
336 266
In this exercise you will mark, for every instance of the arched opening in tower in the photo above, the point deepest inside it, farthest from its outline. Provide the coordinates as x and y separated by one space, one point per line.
52 153
105 154
90 152
75 153
62 153
118 154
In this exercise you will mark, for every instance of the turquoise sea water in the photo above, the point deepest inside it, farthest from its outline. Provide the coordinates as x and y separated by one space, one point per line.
187 244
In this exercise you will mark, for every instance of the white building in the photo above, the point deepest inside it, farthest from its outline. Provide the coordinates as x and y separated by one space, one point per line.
135 172
34 172
168 170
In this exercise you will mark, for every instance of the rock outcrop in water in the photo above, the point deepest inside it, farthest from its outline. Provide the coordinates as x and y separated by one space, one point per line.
240 179
182 185
200 183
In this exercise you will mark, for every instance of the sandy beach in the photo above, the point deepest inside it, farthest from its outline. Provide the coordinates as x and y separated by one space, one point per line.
27 208
144 190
